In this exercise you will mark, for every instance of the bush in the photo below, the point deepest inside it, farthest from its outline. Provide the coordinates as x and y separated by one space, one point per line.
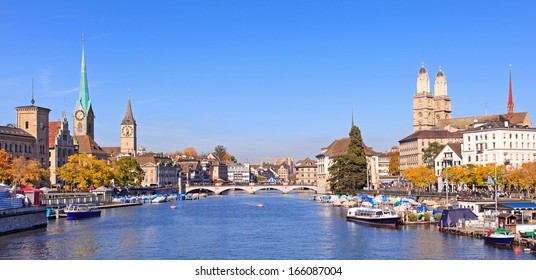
437 216
412 217
427 216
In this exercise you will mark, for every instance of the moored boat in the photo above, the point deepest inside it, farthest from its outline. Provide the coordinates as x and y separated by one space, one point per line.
79 211
373 216
501 237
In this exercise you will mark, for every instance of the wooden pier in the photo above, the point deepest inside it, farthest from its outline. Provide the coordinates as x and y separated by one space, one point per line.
480 232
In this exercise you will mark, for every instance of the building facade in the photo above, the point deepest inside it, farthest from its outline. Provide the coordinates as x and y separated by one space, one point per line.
499 144
450 155
412 147
60 147
306 171
239 173
160 170
219 172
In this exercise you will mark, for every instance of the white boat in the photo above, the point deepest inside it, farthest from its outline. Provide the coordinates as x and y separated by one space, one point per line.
158 199
373 216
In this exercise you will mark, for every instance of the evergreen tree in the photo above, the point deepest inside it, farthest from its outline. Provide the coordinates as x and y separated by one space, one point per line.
349 172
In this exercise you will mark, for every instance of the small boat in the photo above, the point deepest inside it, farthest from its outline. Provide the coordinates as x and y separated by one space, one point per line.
158 199
373 216
79 211
260 205
173 206
501 237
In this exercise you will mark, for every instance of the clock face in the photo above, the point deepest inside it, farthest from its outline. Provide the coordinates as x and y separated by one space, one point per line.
41 125
79 115
127 131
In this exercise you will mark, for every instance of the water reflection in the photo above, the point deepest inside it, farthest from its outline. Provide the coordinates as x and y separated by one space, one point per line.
233 227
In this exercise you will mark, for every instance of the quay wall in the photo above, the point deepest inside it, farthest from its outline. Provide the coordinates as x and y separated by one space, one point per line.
20 219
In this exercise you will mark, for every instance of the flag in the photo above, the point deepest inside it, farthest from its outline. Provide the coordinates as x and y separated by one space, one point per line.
490 180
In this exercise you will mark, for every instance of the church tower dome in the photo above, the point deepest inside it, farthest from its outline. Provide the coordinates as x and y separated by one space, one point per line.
423 81
442 102
440 84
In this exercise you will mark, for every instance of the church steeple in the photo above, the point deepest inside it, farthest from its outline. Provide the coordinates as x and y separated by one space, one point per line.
83 93
129 117
510 105
84 118
129 142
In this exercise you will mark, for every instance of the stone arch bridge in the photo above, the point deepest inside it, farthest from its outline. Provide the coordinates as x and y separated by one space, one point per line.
252 189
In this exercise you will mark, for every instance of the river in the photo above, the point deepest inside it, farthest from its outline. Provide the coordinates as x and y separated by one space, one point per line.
233 227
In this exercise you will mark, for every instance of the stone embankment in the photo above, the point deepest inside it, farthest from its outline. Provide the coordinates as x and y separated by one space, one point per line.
20 219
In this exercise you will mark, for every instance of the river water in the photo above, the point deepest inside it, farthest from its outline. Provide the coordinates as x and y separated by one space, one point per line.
232 227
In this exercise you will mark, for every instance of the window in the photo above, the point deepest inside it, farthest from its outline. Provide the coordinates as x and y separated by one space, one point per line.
26 125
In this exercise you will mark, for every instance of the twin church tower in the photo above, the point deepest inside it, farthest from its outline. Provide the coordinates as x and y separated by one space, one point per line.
428 108
84 120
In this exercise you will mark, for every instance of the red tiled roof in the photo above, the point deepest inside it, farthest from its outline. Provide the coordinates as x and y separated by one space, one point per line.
432 134
53 131
86 145
340 147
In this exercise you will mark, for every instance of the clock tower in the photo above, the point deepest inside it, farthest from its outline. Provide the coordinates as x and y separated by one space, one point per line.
84 118
34 120
128 132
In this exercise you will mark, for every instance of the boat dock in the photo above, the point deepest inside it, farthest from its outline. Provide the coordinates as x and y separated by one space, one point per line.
57 214
480 232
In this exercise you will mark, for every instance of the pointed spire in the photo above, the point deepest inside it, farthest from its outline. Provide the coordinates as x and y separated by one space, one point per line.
129 117
83 93
33 100
353 117
510 105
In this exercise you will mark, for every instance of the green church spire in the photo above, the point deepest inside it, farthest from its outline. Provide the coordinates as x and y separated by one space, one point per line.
83 94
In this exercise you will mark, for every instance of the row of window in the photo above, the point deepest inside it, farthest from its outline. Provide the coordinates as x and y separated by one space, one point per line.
14 148
510 136
512 145
484 158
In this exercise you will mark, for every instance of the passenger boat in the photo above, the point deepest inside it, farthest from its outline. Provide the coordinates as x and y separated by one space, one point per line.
79 211
373 216
501 237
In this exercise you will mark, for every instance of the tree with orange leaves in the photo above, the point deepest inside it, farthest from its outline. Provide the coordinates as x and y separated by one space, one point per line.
419 176
6 165
190 152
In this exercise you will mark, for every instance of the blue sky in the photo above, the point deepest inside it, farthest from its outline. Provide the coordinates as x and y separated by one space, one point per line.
263 78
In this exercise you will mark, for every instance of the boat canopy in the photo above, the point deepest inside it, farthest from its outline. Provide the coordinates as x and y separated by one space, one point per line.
450 217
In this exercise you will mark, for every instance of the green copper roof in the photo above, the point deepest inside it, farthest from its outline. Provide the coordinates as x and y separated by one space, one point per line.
83 94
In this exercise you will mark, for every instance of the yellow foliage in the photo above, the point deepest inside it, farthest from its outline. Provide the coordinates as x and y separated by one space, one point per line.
84 171
419 176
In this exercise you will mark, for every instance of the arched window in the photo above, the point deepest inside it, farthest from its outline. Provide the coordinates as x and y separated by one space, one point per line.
26 125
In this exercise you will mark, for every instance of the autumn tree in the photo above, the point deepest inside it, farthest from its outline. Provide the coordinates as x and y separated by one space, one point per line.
430 153
127 171
349 171
220 152
419 176
394 162
190 152
527 176
28 172
6 165
84 170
